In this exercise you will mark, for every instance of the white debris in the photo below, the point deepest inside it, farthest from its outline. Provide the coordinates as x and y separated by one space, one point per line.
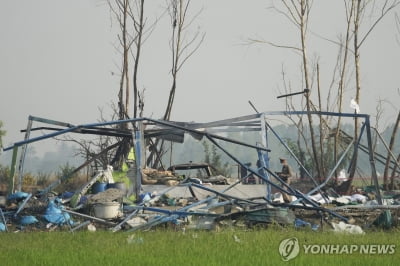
236 238
342 227
136 221
343 200
359 198
320 199
91 228
277 198
107 175
203 223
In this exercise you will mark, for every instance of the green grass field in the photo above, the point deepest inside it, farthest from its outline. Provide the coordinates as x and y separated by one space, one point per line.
167 247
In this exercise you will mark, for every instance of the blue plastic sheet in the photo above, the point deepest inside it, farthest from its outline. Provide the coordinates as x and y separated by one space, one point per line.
55 215
145 197
298 223
68 195
18 196
26 220
2 227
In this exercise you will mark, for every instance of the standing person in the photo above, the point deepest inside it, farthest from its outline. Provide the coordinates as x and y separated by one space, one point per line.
285 174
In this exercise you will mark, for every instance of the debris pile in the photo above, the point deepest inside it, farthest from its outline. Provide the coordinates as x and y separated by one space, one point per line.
195 206
154 198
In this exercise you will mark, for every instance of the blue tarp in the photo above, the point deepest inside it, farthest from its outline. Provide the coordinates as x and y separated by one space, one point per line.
68 195
55 215
26 220
18 196
298 223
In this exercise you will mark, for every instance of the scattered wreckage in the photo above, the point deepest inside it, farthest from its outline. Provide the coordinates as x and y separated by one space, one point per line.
203 174
154 198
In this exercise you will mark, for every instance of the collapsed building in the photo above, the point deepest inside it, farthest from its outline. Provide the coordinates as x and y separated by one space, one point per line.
154 197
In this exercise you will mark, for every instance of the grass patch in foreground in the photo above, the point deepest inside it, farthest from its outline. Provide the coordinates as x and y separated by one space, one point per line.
159 247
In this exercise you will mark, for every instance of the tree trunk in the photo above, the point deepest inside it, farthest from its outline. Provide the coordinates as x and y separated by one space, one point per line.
391 144
394 173
341 85
357 14
321 129
138 50
304 7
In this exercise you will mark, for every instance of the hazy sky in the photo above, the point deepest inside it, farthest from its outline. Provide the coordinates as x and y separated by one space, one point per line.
57 56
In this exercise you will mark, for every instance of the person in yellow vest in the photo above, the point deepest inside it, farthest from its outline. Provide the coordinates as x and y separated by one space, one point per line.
131 154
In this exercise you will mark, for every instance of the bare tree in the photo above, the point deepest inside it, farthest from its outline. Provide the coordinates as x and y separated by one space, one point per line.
321 126
344 49
360 9
302 139
134 31
183 46
297 12
120 9
138 25
394 171
90 148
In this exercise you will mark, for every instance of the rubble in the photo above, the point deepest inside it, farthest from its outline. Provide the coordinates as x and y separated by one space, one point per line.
161 198
110 210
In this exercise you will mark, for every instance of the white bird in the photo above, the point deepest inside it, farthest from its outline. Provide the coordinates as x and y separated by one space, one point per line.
354 105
